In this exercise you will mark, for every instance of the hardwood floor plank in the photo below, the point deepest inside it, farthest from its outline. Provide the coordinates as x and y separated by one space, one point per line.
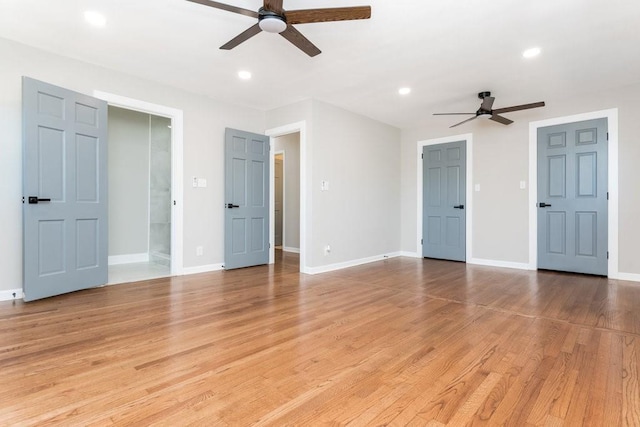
398 342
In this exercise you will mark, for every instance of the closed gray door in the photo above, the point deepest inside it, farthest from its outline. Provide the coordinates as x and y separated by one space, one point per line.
278 196
572 197
64 190
444 190
246 227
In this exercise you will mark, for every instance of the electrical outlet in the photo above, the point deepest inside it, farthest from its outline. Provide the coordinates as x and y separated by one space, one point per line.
199 250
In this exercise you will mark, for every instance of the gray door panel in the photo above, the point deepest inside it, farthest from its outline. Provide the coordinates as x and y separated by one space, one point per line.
64 156
278 196
572 188
444 193
247 199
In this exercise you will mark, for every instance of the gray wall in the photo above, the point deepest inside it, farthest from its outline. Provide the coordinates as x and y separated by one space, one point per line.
204 123
290 144
128 182
501 161
359 217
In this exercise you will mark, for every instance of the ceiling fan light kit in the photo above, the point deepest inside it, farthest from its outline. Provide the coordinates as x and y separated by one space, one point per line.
271 22
486 112
272 18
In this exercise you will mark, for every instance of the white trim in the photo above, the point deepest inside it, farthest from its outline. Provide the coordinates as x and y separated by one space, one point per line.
353 263
468 138
128 258
409 254
177 142
202 269
612 123
631 277
305 199
501 264
288 249
7 294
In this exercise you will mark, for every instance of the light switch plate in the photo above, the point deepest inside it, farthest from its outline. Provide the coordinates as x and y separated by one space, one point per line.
202 182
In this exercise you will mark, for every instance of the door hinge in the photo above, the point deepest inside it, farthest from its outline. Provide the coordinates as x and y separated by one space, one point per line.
421 242
422 156
607 195
607 254
269 245
607 136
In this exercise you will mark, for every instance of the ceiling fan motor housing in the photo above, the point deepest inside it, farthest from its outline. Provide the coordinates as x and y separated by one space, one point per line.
483 95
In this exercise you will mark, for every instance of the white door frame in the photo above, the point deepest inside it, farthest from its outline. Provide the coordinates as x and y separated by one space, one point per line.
284 197
298 127
177 126
612 165
468 137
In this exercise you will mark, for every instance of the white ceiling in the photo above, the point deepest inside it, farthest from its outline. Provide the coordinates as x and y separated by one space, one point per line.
445 50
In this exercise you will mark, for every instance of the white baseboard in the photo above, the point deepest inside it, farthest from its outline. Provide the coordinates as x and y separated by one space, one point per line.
347 264
128 258
8 294
627 276
202 269
502 264
288 249
409 254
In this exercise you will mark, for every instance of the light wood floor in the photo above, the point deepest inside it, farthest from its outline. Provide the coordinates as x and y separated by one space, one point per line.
398 342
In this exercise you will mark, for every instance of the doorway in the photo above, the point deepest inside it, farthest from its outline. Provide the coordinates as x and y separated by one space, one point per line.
467 206
291 140
171 218
287 193
139 195
611 117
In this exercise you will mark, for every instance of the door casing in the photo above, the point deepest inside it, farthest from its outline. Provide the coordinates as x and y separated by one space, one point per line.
469 181
305 225
612 118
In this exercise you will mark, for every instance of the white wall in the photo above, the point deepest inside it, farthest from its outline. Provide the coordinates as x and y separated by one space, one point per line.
501 161
204 123
290 144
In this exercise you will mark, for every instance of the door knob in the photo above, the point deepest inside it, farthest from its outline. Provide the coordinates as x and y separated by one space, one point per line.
458 207
544 205
33 200
231 206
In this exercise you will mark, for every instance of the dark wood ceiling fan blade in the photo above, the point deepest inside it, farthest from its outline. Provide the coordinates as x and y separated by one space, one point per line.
274 6
450 114
487 103
243 36
227 7
300 41
518 107
307 16
464 121
500 119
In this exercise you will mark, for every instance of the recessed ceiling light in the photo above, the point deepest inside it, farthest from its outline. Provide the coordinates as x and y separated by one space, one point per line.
244 75
95 18
404 90
530 53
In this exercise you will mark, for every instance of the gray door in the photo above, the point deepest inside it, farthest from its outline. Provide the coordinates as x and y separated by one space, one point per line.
572 197
64 190
246 227
278 199
444 191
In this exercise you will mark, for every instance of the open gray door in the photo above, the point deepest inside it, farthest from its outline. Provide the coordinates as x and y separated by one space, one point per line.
444 194
246 220
572 197
64 190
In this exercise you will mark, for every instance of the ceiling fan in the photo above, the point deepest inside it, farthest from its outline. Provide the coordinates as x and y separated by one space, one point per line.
273 18
486 112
